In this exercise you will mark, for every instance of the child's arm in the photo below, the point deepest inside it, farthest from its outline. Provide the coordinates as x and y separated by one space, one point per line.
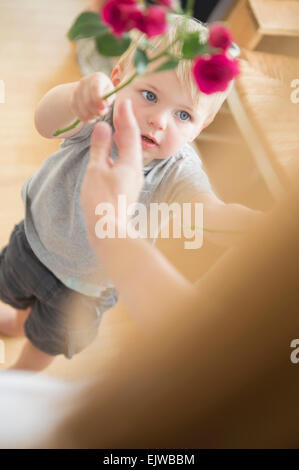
66 103
226 219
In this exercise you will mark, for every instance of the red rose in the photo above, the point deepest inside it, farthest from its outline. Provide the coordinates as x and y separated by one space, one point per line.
121 15
219 36
153 21
213 74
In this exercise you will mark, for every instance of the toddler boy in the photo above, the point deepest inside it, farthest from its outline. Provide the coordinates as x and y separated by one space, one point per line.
48 271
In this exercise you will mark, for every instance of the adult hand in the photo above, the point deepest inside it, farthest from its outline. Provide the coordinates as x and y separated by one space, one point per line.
105 180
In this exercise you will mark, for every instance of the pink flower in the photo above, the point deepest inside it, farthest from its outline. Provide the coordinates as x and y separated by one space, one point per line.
219 36
121 15
153 21
213 74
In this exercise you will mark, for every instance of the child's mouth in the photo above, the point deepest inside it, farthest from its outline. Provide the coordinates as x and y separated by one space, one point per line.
147 142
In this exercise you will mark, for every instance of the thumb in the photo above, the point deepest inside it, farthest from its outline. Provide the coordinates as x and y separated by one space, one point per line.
100 144
128 132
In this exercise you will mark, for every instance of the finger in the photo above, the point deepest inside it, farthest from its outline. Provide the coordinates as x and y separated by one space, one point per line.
95 111
96 104
107 88
82 113
86 103
100 145
128 135
99 89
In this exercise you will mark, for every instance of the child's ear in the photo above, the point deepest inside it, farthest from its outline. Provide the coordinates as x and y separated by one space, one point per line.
115 76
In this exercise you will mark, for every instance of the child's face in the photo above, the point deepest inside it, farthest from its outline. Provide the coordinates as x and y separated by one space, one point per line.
164 111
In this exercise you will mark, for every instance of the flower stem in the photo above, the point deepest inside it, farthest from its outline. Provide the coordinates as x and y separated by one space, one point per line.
65 129
115 90
189 8
164 51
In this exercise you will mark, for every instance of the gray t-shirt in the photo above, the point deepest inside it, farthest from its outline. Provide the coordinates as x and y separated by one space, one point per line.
54 221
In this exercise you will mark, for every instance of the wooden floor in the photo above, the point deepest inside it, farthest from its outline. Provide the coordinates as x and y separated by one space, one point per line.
36 55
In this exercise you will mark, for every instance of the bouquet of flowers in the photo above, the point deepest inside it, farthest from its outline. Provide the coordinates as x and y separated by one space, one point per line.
212 68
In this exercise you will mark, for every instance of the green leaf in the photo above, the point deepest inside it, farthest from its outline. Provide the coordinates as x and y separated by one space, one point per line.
140 61
88 24
192 46
168 65
110 46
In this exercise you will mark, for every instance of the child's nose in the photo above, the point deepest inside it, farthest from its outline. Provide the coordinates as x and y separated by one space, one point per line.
158 120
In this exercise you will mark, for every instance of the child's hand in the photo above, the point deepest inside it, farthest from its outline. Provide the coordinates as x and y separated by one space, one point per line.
86 102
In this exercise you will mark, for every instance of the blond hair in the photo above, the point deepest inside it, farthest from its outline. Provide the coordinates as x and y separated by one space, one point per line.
209 105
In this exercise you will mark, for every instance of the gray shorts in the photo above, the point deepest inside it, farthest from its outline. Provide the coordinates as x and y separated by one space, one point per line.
62 321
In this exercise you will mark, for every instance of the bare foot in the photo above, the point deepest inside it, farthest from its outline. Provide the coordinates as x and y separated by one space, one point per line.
12 320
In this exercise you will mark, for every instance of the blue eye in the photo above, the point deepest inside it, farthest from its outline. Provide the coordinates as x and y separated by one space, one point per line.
149 94
187 116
